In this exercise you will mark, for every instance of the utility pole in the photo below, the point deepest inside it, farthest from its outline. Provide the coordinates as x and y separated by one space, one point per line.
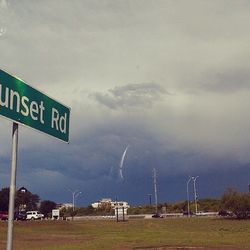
195 194
155 188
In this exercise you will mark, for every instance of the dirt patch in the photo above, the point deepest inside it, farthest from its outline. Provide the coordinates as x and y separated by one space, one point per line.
191 248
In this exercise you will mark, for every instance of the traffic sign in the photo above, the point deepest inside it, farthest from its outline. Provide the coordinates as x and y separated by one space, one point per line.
28 106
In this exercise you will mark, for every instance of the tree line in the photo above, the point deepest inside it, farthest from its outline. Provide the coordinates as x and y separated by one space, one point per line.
26 201
232 202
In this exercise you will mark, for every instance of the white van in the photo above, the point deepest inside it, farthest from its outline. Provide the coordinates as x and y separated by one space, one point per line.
34 215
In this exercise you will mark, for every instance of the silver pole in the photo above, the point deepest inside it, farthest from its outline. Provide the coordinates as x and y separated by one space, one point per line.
12 186
195 194
76 195
150 198
155 188
188 196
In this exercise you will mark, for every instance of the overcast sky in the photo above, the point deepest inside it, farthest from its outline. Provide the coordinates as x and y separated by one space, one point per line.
171 79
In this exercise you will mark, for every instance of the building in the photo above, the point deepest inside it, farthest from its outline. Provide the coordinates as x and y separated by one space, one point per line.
108 203
64 205
23 191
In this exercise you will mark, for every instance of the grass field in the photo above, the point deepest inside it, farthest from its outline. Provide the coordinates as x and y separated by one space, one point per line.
184 233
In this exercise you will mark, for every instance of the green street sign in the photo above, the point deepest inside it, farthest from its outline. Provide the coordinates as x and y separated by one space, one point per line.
28 106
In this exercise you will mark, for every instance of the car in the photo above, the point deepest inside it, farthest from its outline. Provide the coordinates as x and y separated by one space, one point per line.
225 213
34 215
200 213
157 215
21 215
3 215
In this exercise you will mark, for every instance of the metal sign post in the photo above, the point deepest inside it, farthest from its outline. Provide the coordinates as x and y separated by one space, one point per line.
12 186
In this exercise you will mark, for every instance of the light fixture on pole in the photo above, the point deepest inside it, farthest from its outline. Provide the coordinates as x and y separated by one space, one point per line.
74 196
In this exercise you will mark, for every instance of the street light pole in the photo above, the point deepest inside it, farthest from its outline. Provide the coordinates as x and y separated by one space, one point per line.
190 178
74 196
195 194
150 199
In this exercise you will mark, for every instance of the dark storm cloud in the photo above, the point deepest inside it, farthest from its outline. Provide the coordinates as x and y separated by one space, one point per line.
131 95
93 46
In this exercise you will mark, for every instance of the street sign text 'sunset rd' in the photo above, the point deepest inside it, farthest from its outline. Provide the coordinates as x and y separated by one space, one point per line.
24 104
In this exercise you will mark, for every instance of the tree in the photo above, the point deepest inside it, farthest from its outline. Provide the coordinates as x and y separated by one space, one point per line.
209 205
46 207
4 199
236 202
27 200
22 199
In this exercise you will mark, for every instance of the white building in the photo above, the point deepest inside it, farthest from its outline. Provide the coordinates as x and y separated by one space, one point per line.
64 205
107 202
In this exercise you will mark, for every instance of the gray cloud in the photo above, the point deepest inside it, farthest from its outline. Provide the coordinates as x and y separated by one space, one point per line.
72 49
131 95
226 81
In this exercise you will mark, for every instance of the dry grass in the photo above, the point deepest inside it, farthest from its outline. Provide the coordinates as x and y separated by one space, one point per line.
193 233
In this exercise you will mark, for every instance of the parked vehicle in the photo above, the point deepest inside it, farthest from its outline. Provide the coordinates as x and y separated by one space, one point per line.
157 215
3 215
34 215
200 213
21 215
225 213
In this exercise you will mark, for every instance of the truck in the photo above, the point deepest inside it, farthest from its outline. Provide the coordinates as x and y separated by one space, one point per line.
34 215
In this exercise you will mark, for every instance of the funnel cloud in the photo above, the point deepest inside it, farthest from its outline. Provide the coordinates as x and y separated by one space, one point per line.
122 162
